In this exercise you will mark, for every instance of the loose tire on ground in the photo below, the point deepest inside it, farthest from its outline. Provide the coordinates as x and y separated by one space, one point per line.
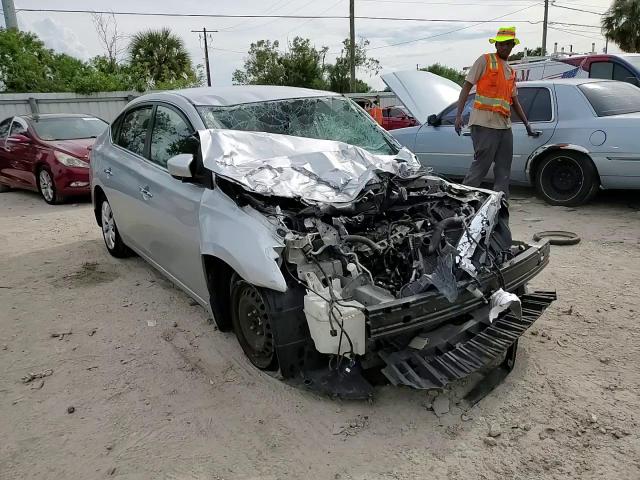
566 178
112 240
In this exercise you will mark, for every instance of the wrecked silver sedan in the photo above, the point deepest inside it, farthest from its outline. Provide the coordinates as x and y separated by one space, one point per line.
326 246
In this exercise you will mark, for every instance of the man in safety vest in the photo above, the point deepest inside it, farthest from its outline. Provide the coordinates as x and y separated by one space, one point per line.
490 118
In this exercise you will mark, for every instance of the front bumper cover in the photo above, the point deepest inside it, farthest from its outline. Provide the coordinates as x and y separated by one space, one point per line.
477 345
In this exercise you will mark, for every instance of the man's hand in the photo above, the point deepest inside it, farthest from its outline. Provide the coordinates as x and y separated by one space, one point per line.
459 124
531 132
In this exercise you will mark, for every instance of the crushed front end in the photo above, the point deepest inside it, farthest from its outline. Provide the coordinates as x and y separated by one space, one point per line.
417 278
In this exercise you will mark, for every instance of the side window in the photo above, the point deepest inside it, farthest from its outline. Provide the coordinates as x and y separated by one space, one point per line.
386 112
114 128
17 128
449 116
4 128
536 103
396 112
602 70
623 74
133 131
171 135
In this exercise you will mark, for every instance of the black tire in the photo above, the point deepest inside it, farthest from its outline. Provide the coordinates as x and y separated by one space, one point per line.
112 240
567 178
47 186
252 321
557 237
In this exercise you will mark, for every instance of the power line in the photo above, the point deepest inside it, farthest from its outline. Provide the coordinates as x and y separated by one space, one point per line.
293 17
574 33
453 31
576 9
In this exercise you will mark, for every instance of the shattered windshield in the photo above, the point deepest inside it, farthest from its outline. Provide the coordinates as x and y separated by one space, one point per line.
327 118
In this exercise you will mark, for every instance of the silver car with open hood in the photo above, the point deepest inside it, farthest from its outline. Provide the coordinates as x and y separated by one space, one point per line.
298 222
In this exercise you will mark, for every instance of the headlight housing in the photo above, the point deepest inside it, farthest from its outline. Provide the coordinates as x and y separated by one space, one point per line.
69 160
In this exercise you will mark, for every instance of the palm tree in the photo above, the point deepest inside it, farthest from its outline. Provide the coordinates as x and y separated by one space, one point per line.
621 24
161 56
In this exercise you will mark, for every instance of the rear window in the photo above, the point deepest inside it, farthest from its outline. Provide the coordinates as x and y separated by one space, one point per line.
612 98
69 128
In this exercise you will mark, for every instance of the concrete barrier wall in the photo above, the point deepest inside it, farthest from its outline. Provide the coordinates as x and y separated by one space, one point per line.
105 105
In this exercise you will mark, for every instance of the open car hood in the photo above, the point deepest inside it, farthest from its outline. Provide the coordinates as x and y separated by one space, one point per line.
423 93
316 171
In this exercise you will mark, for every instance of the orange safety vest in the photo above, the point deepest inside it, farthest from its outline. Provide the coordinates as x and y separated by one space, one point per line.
493 91
376 113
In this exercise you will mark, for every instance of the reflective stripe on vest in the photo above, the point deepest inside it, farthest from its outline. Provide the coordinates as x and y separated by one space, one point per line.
493 91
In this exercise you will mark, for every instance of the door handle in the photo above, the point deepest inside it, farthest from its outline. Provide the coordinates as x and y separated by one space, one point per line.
146 194
466 134
108 171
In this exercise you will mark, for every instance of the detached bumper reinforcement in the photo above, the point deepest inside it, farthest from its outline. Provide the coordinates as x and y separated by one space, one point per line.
414 369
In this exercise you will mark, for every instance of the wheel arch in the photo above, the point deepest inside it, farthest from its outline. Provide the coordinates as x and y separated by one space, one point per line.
534 160
98 195
219 275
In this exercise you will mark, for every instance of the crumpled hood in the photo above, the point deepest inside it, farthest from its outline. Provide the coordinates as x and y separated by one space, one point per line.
317 171
423 93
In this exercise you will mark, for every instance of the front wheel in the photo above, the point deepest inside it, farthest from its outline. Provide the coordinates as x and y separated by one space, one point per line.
47 187
251 317
110 234
567 178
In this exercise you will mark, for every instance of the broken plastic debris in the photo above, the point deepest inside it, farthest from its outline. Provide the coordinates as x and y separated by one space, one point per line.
151 323
501 301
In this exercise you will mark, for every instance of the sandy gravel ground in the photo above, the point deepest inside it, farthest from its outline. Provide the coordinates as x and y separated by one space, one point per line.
158 393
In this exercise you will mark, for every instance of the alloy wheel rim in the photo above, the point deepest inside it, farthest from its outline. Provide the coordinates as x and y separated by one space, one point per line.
108 226
46 185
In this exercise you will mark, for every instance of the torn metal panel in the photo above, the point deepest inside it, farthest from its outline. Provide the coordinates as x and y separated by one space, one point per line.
317 171
484 221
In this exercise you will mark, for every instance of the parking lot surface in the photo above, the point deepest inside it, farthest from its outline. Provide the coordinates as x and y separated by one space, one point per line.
132 380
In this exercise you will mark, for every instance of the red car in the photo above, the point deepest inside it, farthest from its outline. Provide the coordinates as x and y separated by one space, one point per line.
48 153
397 117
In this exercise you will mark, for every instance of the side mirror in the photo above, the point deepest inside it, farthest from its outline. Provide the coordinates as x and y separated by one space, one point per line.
179 166
19 138
433 120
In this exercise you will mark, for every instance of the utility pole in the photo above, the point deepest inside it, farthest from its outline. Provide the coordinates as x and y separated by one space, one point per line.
204 33
544 27
10 19
352 41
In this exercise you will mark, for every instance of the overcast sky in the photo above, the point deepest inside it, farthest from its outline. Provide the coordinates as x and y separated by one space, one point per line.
75 33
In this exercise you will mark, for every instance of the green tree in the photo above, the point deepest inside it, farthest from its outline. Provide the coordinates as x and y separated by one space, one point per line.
447 72
339 74
163 59
263 66
536 52
25 63
304 65
621 24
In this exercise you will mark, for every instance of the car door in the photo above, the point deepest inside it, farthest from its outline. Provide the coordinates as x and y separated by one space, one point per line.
5 155
22 154
538 104
120 173
170 206
439 146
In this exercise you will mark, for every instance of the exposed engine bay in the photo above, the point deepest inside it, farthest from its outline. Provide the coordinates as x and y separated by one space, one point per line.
400 238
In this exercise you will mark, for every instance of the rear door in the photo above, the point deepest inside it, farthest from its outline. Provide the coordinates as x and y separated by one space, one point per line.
539 105
120 173
170 206
441 148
